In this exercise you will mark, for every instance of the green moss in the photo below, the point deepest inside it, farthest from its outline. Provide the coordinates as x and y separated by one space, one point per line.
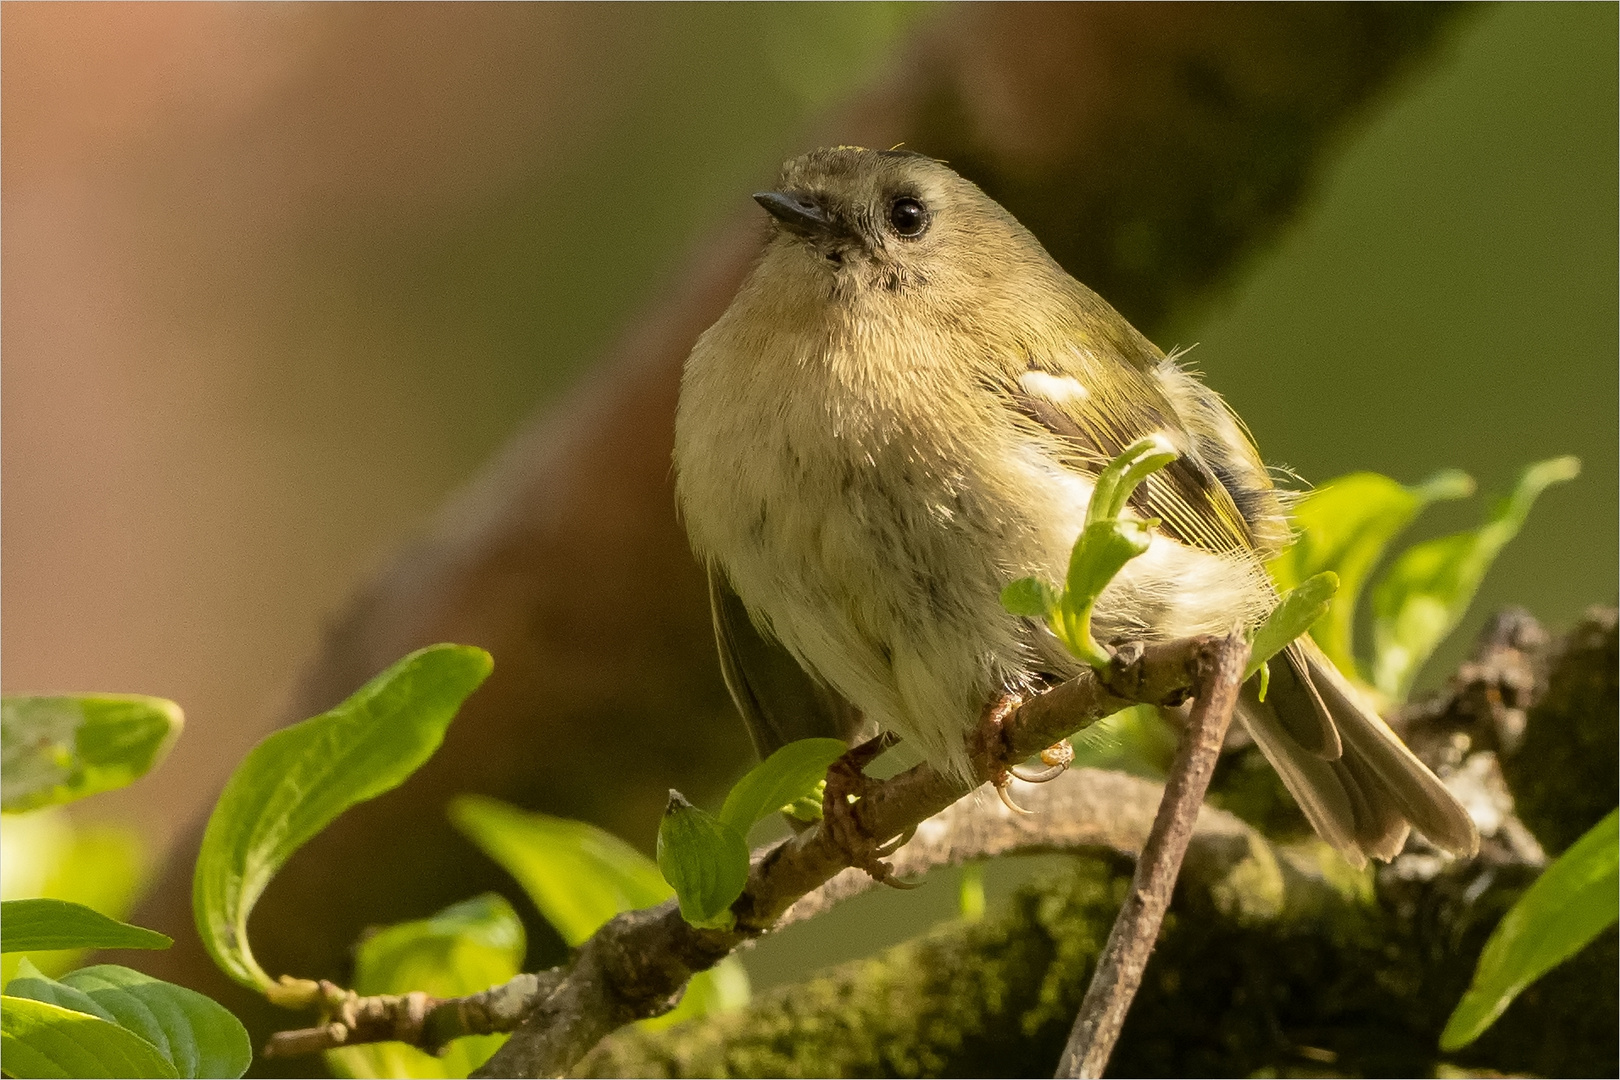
992 998
1333 982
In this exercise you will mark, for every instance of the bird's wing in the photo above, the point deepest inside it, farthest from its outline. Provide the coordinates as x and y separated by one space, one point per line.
778 699
1359 786
1098 405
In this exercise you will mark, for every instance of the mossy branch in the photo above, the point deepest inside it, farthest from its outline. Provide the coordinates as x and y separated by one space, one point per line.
1276 959
638 963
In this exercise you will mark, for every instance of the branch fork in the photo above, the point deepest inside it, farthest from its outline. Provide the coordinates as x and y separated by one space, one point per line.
1130 942
637 964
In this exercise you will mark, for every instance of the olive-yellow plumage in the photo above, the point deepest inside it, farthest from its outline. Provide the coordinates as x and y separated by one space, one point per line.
902 411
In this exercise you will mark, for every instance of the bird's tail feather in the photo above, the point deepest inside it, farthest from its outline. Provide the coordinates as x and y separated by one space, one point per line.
1356 782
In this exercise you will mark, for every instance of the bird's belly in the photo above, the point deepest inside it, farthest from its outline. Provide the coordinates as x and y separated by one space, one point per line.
882 574
881 571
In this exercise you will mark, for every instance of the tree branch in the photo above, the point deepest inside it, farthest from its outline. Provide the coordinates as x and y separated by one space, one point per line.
1084 809
1278 959
636 965
1257 973
1130 942
1229 868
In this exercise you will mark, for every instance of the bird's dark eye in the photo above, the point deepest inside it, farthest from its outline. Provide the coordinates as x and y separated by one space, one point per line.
908 216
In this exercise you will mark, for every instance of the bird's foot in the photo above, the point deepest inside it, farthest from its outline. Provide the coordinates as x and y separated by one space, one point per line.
841 814
990 743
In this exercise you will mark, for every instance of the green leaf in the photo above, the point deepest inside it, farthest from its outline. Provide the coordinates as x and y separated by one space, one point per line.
1574 900
297 780
194 1034
464 949
1294 614
38 1039
33 984
1428 589
1030 597
57 924
1105 544
580 877
706 861
57 749
1344 527
786 776
807 807
577 875
1101 552
1120 477
45 854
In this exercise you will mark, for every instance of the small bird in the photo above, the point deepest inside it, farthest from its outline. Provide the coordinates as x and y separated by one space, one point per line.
903 410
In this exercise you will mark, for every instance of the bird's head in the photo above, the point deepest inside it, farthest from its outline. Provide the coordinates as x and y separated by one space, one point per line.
893 220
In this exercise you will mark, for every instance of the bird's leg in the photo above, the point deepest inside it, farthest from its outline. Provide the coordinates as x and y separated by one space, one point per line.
841 814
988 744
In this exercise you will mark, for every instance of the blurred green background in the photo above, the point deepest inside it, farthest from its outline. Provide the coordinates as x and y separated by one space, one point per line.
280 278
1449 298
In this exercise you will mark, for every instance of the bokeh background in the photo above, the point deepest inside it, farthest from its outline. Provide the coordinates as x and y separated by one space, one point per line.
278 279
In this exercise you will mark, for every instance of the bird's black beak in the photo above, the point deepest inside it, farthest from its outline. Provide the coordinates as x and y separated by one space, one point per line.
797 212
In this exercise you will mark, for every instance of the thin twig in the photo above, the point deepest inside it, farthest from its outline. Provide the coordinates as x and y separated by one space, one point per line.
637 964
418 1020
1136 929
1085 808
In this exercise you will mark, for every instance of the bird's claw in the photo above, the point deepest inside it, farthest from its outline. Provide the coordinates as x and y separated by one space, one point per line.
1056 758
884 851
841 815
1001 784
988 741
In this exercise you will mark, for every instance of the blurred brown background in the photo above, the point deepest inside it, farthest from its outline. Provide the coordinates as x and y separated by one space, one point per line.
279 278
